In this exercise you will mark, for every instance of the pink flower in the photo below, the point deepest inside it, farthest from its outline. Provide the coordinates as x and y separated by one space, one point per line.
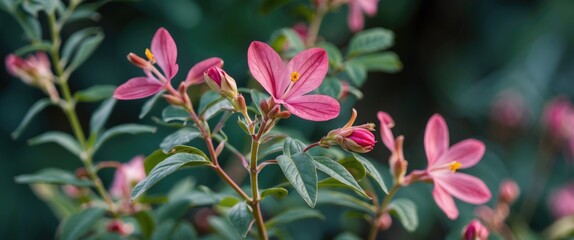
397 162
561 201
509 191
195 74
35 70
128 175
356 10
475 231
289 84
509 109
558 118
443 161
358 139
220 82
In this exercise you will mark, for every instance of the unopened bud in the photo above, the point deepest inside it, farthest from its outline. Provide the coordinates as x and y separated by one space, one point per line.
384 222
81 173
283 115
219 81
139 61
264 107
119 227
509 191
475 231
272 114
358 139
173 100
35 71
240 102
397 161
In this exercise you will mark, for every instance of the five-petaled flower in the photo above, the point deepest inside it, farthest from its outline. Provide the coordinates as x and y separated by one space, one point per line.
355 18
164 53
289 84
444 161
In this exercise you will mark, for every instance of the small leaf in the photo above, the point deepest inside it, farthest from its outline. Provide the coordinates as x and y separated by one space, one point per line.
224 228
43 46
355 73
35 109
387 62
271 145
294 42
184 231
122 129
78 225
179 137
85 48
292 146
166 167
371 40
173 113
53 176
372 171
148 105
64 139
229 201
257 97
277 192
331 87
356 168
173 210
406 211
29 24
341 199
337 171
240 217
333 52
146 222
300 171
101 115
158 156
95 93
208 98
73 42
293 215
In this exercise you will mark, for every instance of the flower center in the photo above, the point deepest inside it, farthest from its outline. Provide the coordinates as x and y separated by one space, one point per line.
454 166
295 76
149 56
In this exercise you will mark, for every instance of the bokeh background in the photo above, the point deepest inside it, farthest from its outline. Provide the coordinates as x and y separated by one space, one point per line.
459 57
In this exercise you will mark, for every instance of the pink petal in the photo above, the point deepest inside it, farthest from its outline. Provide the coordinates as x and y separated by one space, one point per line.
267 68
355 17
313 107
444 201
119 185
165 51
368 6
139 87
312 66
468 152
195 74
386 133
464 187
436 138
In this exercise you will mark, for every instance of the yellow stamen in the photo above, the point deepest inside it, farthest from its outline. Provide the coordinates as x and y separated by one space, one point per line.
149 55
295 76
454 166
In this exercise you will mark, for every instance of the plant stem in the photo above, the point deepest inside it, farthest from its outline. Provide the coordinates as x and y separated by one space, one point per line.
381 210
315 25
312 145
255 189
70 111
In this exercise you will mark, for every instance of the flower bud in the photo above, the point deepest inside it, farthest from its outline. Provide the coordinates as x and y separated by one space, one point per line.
351 138
509 191
174 100
264 107
475 231
119 227
35 71
397 161
139 61
384 222
283 115
220 82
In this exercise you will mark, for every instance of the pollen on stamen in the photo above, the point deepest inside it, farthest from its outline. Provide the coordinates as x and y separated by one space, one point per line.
455 166
295 76
149 56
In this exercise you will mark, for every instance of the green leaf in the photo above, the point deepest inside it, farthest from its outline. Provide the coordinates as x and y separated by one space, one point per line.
122 129
337 171
35 109
271 145
173 113
43 46
257 97
166 167
224 228
84 48
29 24
294 42
372 171
347 236
300 171
229 201
331 87
170 229
146 223
173 209
179 137
95 93
269 5
53 176
148 105
355 73
158 156
78 225
240 217
73 42
63 139
101 115
371 40
277 192
292 146
406 211
293 215
333 52
387 62
344 200
356 168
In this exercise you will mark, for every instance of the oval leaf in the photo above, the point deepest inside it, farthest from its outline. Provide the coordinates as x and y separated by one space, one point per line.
64 139
371 40
241 218
53 176
388 62
372 171
292 146
173 113
293 215
35 109
101 115
95 93
79 224
337 171
406 211
158 156
277 192
122 129
179 137
300 171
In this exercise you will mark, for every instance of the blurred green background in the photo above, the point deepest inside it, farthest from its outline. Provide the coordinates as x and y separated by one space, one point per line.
457 56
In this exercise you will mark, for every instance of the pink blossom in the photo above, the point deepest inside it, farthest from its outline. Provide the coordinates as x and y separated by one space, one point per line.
397 162
558 118
509 191
509 109
195 74
35 70
358 139
561 201
127 175
443 161
289 84
475 231
356 10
